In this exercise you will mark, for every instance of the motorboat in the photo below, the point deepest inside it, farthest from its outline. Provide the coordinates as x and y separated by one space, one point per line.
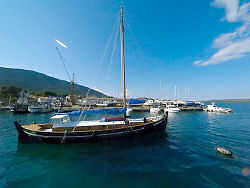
155 110
39 108
149 102
214 108
172 109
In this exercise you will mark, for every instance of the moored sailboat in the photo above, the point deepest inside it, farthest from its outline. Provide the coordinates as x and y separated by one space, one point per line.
62 129
22 103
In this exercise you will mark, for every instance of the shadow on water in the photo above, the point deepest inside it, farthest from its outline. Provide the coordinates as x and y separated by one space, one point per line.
45 150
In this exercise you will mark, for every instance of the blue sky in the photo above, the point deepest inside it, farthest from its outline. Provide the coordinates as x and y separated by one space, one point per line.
203 47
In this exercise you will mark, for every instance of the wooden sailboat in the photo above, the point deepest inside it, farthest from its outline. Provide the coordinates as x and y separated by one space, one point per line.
62 129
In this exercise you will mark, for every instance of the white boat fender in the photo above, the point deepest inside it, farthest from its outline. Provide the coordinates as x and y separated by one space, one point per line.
224 151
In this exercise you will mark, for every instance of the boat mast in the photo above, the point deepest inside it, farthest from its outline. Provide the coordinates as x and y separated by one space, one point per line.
122 57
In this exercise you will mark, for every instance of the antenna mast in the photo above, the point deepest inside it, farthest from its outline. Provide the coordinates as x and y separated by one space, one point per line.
122 57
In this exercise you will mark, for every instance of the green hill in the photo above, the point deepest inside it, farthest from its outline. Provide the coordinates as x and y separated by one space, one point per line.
38 82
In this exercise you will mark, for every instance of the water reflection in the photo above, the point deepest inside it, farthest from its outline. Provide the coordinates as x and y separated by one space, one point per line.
182 157
40 150
246 171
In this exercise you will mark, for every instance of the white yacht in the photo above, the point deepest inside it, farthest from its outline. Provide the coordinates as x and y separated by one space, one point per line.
149 102
155 110
39 108
171 108
213 108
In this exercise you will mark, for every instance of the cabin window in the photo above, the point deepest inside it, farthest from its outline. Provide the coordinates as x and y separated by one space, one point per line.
66 119
56 122
60 121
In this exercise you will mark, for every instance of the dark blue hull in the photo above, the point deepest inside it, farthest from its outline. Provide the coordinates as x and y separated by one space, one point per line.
82 136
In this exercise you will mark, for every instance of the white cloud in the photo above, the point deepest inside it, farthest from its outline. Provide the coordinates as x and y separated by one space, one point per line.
244 12
224 39
233 51
197 62
231 7
235 44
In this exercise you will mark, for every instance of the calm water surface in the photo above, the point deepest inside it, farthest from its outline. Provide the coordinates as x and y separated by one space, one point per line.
183 156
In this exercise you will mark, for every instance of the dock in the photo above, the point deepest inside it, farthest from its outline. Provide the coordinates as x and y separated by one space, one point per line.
191 108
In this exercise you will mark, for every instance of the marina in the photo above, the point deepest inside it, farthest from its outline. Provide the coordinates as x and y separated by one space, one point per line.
125 94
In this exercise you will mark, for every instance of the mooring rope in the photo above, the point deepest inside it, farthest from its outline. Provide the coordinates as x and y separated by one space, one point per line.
64 137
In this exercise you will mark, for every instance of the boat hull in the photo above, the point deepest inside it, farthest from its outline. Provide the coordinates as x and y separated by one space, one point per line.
39 110
25 135
172 111
18 110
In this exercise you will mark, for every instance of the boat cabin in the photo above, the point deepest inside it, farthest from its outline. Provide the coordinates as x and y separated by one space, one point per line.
212 107
60 120
171 106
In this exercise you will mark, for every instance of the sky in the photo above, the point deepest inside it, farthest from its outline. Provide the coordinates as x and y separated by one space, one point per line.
201 47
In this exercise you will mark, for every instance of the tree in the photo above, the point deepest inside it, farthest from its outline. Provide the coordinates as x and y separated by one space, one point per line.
50 93
7 91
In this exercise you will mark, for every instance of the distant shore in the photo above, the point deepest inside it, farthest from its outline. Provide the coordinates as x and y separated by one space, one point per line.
228 100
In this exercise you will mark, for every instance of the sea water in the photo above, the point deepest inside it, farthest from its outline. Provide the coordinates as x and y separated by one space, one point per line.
182 156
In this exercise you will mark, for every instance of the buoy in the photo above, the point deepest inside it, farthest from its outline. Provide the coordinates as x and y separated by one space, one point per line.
224 151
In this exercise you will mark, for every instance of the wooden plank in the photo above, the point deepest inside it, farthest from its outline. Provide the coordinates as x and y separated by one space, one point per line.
32 127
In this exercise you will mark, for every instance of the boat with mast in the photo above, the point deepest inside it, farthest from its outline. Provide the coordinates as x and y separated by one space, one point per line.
62 129
22 103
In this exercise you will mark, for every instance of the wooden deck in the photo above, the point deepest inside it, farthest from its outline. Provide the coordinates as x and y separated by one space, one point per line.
32 127
42 127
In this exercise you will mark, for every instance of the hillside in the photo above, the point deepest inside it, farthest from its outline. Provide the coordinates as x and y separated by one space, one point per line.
38 82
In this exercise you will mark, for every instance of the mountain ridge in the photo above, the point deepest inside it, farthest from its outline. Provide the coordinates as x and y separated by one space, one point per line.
40 82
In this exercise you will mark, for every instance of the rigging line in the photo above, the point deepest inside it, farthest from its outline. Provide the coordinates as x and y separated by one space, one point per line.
106 47
97 70
134 38
63 62
112 55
